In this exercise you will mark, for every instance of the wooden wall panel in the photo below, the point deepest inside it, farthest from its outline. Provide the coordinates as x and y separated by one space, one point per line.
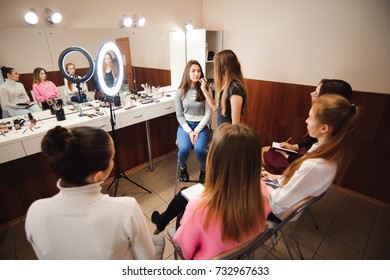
154 77
279 110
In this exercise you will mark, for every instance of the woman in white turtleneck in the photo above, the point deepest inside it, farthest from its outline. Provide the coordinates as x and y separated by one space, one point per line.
12 93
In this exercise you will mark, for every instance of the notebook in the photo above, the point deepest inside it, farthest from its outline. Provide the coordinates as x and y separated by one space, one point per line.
276 145
193 191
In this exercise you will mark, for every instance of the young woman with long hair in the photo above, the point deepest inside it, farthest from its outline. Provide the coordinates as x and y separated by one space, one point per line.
230 90
336 123
193 113
234 205
44 89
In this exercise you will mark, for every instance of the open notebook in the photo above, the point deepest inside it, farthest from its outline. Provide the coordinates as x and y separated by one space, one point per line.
193 191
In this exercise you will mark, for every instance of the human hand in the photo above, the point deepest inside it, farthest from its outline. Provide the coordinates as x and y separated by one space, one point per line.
289 146
283 153
203 84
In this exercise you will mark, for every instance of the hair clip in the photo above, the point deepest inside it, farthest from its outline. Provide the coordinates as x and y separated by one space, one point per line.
353 108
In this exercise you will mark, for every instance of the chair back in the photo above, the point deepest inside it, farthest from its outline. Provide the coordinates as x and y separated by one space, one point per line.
297 209
242 252
246 250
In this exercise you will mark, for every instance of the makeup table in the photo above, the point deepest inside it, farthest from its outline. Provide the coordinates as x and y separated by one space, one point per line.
20 143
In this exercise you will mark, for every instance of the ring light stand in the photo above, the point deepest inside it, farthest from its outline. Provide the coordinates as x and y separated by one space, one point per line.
111 47
74 78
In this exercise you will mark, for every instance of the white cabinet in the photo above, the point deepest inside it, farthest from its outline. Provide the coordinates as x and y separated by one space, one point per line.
199 43
193 44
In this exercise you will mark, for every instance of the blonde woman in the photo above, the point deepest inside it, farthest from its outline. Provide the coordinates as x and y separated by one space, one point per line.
336 123
230 91
71 88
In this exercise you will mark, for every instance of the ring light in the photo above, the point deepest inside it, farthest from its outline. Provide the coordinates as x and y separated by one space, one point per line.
72 78
107 48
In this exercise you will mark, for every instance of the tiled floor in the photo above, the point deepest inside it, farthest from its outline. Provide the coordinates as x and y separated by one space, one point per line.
350 227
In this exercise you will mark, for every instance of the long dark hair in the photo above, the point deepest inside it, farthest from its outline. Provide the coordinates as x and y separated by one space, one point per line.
75 153
5 71
186 81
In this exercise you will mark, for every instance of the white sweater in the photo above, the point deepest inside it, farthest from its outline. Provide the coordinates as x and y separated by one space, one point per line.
82 223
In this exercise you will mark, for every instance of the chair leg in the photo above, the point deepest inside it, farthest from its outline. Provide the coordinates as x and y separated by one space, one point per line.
296 241
308 211
177 178
287 247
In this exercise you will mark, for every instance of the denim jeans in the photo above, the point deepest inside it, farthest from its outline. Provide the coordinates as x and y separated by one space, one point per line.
184 144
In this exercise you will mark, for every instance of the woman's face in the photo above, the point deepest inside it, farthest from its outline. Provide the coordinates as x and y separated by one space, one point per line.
42 75
313 125
106 172
195 73
13 76
71 69
107 59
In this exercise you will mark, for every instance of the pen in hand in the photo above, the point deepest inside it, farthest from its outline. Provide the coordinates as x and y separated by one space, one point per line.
288 140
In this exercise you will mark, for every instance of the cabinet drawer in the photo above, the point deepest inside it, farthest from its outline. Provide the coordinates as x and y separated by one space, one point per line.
164 109
11 151
136 117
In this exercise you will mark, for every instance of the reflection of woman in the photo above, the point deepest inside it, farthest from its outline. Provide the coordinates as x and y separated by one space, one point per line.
110 70
80 222
71 88
44 89
12 93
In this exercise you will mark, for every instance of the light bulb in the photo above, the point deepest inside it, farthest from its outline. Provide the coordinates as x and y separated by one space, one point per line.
141 21
31 17
127 22
56 17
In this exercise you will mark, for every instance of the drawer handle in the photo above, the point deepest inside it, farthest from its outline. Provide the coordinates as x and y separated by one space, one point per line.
168 108
136 117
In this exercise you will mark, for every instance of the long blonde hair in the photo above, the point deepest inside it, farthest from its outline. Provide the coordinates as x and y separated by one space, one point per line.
227 69
232 186
66 68
344 120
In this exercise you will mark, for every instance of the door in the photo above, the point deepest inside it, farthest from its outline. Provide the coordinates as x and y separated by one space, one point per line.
124 47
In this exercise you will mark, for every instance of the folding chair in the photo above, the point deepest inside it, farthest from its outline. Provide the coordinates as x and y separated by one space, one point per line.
242 252
289 217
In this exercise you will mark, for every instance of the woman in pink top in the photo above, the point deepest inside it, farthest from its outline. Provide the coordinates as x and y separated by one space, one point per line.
44 89
233 208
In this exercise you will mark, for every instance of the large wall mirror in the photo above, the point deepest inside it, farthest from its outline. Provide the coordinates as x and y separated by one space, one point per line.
40 47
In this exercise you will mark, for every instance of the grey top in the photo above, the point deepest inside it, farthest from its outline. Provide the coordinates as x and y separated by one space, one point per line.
187 109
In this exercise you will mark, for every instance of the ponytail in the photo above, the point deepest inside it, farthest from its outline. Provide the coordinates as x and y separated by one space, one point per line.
344 120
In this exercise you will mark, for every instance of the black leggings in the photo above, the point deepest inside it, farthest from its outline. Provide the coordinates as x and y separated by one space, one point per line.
175 209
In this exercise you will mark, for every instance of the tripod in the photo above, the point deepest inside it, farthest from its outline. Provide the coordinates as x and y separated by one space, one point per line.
118 172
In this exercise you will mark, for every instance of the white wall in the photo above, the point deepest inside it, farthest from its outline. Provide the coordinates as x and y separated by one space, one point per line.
303 41
29 48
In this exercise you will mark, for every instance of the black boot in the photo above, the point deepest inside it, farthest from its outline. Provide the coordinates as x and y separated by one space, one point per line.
202 176
157 219
184 174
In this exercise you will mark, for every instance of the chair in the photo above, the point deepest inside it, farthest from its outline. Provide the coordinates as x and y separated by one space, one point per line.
289 217
242 252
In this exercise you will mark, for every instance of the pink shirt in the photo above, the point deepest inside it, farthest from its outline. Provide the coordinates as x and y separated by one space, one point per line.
198 243
45 90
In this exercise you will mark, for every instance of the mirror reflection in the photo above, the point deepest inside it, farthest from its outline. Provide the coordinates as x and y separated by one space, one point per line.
110 69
